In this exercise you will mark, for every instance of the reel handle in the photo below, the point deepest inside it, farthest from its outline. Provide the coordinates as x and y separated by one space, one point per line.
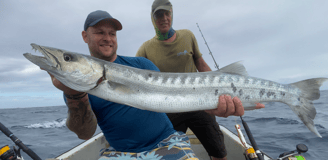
18 142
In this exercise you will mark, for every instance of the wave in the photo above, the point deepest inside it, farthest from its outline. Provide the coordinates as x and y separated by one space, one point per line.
282 121
319 126
51 111
317 103
276 119
59 123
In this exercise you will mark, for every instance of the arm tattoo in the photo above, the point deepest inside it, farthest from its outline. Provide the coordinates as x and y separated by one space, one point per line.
81 119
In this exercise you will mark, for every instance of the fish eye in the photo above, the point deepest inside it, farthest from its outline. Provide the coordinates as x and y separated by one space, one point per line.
67 57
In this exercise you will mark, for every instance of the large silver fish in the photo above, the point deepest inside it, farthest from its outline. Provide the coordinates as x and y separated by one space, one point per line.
174 92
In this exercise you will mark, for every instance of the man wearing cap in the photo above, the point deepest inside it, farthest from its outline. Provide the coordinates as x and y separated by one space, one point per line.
131 132
177 51
127 129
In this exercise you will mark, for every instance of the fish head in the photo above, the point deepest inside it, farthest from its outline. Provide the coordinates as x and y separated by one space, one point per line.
77 71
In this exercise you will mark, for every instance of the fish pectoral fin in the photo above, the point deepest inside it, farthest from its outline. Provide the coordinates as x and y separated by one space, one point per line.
121 88
235 68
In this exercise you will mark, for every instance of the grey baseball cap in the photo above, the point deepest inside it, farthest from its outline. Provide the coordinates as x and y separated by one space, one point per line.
97 16
161 4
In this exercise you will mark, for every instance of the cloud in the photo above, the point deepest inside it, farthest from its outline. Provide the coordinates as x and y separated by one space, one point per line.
284 41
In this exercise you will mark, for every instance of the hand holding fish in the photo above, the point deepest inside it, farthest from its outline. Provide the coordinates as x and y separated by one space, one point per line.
62 87
80 119
230 107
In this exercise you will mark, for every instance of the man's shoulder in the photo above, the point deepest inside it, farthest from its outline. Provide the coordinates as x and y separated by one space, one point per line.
149 42
184 31
135 59
185 34
139 62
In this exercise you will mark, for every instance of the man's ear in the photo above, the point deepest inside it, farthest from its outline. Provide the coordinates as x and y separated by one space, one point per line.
84 36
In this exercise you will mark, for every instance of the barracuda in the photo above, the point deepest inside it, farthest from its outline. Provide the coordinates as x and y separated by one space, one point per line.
174 92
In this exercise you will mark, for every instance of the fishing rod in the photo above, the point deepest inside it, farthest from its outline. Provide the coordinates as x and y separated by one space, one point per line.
256 150
8 154
253 152
249 134
216 65
252 140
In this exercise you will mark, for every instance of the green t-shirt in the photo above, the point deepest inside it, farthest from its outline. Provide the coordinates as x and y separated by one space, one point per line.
176 56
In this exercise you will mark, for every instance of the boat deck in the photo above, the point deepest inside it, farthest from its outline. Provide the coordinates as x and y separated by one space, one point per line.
91 148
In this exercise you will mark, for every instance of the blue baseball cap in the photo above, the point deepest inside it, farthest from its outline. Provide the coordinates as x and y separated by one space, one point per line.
97 16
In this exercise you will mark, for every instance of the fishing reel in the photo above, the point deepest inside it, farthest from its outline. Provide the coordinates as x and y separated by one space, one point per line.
294 155
10 154
14 154
255 154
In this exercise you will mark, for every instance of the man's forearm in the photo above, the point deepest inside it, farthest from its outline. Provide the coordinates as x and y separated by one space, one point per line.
81 119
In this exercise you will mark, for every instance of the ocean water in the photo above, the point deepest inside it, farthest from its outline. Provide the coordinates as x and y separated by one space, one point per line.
276 129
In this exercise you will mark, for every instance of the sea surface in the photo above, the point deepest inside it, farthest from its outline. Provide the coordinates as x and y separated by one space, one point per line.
276 129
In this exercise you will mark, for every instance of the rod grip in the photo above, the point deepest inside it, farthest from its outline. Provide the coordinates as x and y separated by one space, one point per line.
18 142
251 139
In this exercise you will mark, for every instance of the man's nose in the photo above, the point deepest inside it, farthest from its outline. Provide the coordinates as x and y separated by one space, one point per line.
107 37
165 17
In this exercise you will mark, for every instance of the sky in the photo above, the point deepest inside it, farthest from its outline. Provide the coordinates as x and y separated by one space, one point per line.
278 40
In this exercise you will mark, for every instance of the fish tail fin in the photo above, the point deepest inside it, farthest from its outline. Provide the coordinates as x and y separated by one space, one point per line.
303 106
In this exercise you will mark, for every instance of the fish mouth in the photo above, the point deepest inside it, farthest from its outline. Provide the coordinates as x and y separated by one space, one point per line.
48 62
55 64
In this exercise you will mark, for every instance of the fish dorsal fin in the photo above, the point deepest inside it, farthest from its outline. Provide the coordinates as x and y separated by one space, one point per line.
235 68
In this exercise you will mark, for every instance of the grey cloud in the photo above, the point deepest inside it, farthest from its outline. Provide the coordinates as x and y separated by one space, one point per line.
285 41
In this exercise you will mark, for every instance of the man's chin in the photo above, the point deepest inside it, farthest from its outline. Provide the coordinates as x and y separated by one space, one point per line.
105 52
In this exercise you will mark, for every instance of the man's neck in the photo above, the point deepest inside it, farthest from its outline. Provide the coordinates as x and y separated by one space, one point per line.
113 58
172 38
110 59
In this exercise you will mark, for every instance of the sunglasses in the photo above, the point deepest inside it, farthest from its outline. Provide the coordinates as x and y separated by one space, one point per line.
160 14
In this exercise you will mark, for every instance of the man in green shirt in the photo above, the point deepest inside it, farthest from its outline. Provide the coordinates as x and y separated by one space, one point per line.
177 51
173 51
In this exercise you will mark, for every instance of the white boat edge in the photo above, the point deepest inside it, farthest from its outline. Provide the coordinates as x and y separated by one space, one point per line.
91 148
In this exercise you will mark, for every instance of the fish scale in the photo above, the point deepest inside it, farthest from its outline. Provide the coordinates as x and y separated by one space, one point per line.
228 85
175 92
